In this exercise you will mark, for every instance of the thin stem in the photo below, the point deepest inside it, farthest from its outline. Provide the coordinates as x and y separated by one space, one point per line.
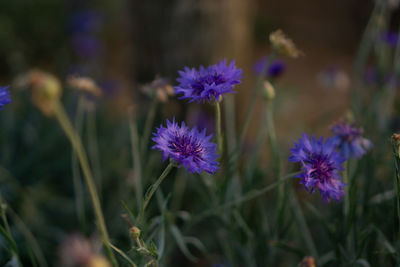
153 189
123 255
253 98
396 152
247 197
14 248
137 167
79 199
346 206
230 127
29 237
234 156
94 147
147 127
302 224
80 151
218 126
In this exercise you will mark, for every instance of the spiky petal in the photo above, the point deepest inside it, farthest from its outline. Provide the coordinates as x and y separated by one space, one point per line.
321 166
186 147
350 142
5 97
208 84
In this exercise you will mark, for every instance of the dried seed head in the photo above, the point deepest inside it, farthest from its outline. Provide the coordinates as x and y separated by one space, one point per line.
84 84
283 45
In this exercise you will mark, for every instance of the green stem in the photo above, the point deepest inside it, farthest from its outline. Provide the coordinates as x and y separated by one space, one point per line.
218 126
137 167
80 151
230 127
94 147
234 156
147 127
123 255
253 98
14 248
153 189
302 224
361 60
346 206
396 151
247 197
79 198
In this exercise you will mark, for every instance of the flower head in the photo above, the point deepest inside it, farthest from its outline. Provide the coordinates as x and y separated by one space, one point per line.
275 69
208 83
189 148
283 45
4 96
321 165
349 140
159 88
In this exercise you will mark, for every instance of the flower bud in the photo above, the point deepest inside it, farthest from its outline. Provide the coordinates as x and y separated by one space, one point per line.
268 91
84 84
283 45
98 261
46 88
160 88
135 231
396 144
307 261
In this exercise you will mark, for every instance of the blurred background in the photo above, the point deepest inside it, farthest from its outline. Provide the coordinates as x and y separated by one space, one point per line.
124 45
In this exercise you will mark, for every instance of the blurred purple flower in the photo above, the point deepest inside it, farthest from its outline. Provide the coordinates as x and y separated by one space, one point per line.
5 97
391 38
276 68
86 46
201 119
188 148
332 77
349 140
321 166
208 84
85 21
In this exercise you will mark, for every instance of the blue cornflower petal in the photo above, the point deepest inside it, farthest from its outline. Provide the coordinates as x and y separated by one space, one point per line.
208 84
321 166
5 97
349 140
191 149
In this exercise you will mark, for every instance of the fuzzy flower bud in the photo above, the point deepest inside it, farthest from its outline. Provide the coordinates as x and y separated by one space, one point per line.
159 88
268 91
307 261
135 231
396 144
84 84
98 261
45 87
283 45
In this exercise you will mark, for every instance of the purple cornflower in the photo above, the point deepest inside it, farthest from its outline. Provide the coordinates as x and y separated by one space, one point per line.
191 149
5 97
275 69
349 140
321 166
208 83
